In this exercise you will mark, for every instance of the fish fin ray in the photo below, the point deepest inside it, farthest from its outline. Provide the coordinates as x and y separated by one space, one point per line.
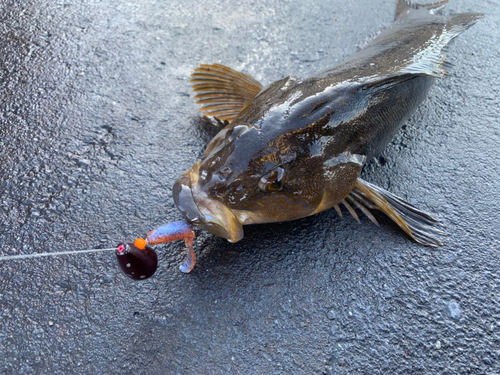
221 91
337 208
351 210
419 225
356 201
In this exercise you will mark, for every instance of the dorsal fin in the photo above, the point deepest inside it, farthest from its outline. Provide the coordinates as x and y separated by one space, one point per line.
404 7
222 91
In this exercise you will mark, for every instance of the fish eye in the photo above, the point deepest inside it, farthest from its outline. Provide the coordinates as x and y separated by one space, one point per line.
273 181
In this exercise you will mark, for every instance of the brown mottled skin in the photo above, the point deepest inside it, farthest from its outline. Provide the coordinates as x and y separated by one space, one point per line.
321 130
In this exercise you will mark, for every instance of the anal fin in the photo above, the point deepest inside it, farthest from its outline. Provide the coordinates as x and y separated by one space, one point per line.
222 91
419 225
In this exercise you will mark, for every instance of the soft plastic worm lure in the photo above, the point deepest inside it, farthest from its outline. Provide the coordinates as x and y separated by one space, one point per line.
137 259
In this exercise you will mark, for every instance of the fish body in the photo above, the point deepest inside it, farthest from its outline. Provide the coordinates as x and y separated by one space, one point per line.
297 146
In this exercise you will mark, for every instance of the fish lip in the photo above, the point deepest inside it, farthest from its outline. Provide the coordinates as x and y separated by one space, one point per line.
183 199
202 211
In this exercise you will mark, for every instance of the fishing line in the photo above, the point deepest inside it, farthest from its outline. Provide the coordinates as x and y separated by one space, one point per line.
137 259
12 257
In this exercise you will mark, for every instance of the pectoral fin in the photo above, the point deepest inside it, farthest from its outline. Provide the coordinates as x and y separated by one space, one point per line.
222 91
417 224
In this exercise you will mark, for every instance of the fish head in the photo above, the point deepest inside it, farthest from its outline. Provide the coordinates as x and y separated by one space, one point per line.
284 157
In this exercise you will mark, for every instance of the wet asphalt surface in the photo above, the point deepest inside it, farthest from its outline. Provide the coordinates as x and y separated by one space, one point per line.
96 123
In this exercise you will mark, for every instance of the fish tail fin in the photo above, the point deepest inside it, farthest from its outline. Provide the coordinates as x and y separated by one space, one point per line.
456 25
460 22
457 22
405 7
419 225
432 61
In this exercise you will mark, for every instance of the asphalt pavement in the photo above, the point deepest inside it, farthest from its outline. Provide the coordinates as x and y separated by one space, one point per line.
97 121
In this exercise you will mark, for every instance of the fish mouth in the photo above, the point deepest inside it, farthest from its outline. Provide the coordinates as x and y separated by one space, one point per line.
202 211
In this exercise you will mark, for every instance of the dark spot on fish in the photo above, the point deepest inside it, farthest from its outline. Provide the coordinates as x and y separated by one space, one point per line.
224 172
315 108
324 120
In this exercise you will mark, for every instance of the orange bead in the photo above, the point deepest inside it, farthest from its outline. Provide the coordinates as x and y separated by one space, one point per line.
140 243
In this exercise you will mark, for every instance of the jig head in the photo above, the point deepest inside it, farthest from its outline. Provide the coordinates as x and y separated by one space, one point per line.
137 260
